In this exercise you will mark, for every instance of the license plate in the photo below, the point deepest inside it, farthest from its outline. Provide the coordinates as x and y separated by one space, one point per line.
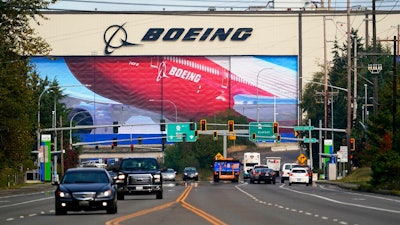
139 188
298 179
84 203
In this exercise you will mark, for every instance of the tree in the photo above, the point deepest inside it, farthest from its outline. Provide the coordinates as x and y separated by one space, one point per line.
18 88
374 135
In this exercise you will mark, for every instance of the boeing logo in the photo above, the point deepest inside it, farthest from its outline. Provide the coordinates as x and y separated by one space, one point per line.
116 37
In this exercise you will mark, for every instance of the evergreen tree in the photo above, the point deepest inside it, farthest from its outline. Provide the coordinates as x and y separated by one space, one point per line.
18 86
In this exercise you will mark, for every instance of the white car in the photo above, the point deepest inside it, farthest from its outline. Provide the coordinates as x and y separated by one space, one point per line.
299 175
286 167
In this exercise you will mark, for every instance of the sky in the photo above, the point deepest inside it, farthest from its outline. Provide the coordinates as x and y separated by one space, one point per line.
204 5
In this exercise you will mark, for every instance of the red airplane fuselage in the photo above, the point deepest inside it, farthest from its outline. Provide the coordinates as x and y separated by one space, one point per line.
195 87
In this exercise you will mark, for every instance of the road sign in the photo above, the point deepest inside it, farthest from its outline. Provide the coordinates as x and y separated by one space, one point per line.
302 158
303 128
310 140
219 156
177 132
262 131
342 154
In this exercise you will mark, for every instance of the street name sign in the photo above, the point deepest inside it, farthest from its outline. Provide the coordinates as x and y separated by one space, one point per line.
303 128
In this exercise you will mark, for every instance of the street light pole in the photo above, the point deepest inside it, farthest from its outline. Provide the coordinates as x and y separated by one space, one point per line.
165 100
38 117
70 126
258 109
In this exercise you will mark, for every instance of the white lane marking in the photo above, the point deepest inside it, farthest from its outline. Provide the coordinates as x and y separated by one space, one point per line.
27 202
361 194
340 202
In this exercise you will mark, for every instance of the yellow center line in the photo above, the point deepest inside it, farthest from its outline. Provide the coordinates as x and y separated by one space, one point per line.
213 220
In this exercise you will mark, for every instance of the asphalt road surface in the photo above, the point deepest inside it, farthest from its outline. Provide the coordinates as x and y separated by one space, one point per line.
206 202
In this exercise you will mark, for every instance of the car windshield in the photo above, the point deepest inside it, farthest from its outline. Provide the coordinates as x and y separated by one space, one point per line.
170 171
85 177
139 164
190 170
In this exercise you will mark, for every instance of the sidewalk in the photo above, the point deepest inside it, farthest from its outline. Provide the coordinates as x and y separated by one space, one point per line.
28 188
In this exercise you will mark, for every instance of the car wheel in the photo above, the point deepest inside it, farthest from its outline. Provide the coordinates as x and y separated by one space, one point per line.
273 182
306 184
60 211
290 184
113 209
120 196
282 180
159 195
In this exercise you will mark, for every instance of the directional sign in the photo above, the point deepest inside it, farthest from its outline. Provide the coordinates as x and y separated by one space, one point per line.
177 132
310 140
303 128
262 131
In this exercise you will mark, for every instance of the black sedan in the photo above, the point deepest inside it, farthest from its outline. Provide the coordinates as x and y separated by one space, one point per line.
262 173
85 189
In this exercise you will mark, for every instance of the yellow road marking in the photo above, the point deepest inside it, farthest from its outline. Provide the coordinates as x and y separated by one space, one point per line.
213 220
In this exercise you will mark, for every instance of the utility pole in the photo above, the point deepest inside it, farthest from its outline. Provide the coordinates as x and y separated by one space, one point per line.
326 92
374 58
348 127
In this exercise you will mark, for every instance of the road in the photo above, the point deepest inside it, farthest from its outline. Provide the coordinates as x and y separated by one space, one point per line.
206 202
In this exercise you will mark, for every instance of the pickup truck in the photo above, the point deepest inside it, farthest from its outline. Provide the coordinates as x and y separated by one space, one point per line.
138 176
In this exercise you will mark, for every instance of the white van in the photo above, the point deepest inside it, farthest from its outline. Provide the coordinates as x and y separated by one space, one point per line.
285 171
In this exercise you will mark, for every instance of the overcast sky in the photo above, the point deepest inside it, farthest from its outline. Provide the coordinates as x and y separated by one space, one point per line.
203 5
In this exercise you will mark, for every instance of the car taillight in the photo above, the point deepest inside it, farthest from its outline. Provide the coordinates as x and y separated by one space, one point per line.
290 174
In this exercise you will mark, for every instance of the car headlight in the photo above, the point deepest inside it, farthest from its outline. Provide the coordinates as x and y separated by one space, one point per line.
157 177
196 174
104 194
121 177
62 194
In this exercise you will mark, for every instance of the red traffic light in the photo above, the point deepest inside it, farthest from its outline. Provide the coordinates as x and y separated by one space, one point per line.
276 127
352 144
203 125
231 125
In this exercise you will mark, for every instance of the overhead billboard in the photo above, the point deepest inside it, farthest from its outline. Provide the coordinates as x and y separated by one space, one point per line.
139 89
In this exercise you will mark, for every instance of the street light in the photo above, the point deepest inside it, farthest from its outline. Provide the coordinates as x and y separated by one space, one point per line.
70 126
38 117
164 100
258 109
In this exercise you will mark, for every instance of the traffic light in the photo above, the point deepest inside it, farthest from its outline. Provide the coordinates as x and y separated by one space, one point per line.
276 127
352 144
115 143
196 133
203 125
253 136
162 125
296 133
140 141
115 128
231 125
215 135
278 138
52 147
132 147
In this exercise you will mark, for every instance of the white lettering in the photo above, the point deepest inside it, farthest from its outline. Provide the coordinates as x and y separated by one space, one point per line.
184 74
